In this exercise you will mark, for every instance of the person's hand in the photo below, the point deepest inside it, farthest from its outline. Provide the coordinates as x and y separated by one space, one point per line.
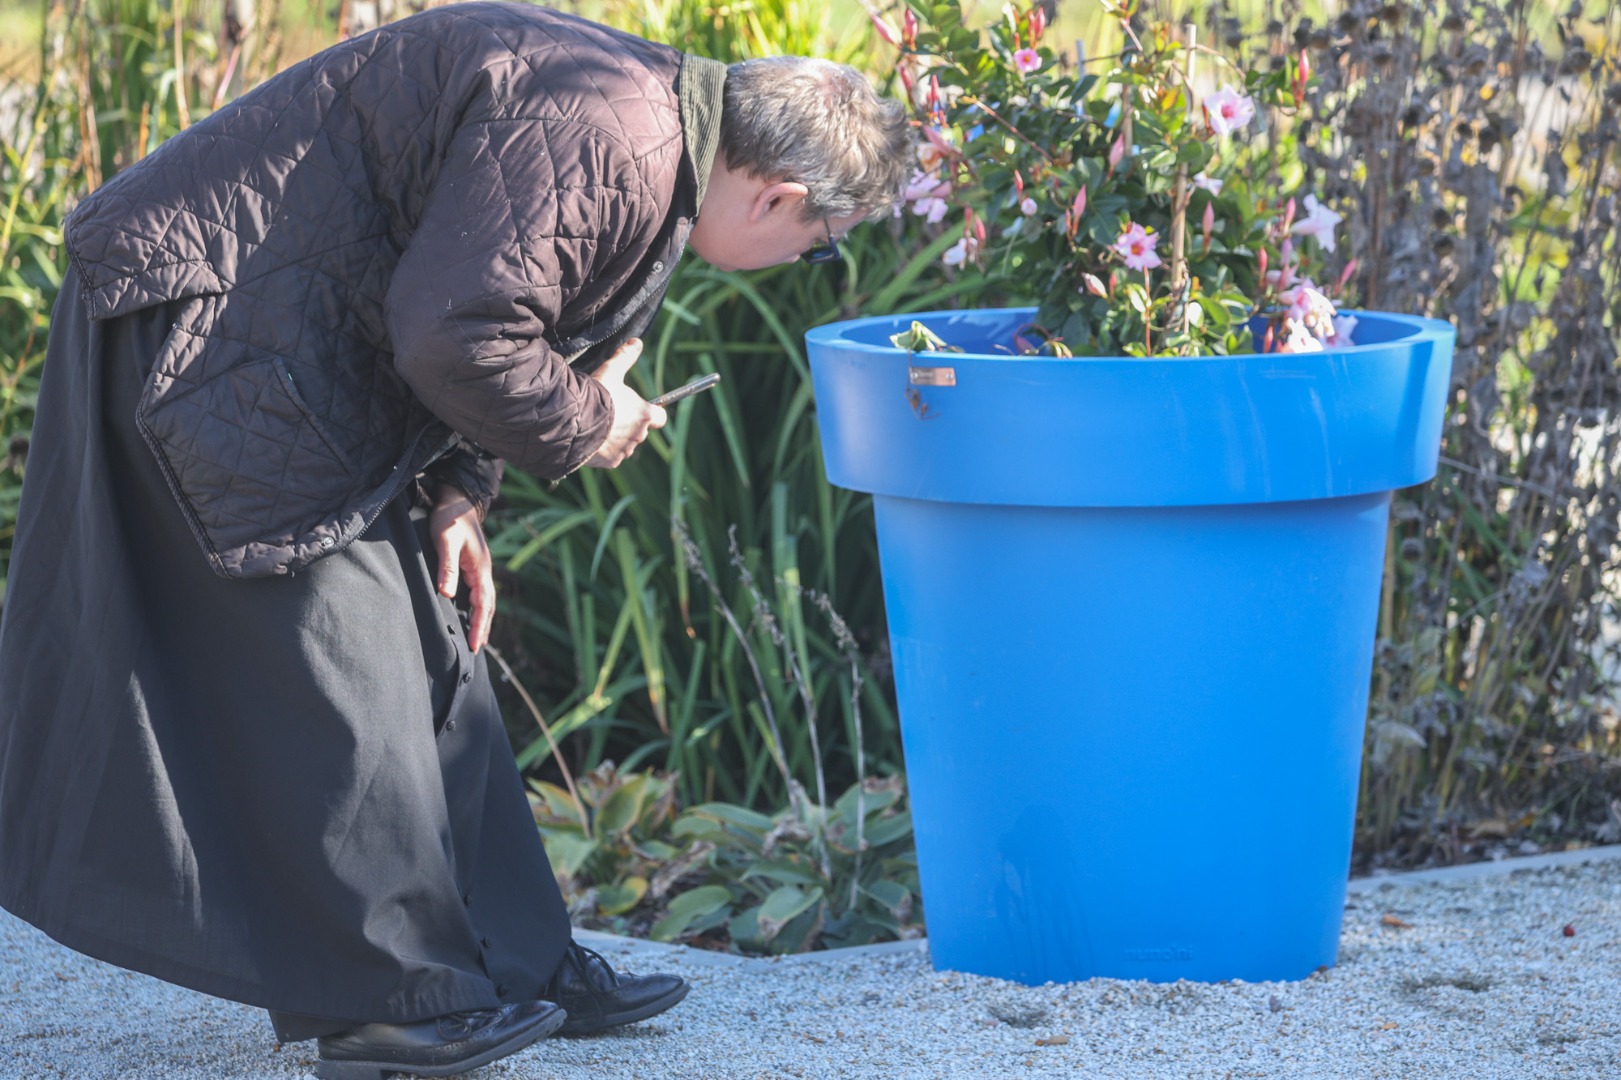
459 536
633 416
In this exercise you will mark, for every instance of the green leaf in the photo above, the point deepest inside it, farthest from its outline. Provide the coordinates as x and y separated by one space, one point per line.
782 906
1161 161
887 830
688 908
567 848
919 338
877 800
792 938
782 872
657 850
891 894
786 902
688 827
558 802
745 928
623 809
735 815
620 898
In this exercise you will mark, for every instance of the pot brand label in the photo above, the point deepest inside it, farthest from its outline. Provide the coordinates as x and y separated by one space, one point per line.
932 376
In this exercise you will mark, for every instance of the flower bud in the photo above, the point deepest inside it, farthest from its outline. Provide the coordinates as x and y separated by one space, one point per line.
1260 266
1094 286
1209 222
1018 183
909 28
1079 207
1038 23
885 31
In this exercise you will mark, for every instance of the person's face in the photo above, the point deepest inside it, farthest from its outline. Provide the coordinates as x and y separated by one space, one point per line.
760 225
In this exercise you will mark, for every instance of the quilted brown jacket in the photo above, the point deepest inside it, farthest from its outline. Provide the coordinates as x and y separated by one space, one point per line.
391 254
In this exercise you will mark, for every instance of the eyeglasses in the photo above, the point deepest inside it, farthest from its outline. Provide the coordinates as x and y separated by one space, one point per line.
825 252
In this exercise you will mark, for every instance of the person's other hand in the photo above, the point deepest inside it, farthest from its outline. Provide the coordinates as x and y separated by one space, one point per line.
459 537
634 417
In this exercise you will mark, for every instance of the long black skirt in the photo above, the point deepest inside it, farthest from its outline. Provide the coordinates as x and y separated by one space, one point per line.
292 792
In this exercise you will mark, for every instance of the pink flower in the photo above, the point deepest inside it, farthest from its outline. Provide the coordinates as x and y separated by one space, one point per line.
1298 339
1310 309
1208 183
1026 60
924 186
963 251
1136 246
1344 329
933 151
1318 222
1307 303
931 210
1028 207
1227 111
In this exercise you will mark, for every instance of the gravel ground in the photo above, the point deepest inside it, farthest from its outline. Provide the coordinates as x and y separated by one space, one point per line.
1478 981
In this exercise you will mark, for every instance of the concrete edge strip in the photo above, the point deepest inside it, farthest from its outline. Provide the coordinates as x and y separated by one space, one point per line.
1495 868
644 951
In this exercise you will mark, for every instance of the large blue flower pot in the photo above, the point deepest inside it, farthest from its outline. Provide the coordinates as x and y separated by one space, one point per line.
1132 609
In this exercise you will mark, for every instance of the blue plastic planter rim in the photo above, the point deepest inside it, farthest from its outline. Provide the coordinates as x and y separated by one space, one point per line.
987 427
872 333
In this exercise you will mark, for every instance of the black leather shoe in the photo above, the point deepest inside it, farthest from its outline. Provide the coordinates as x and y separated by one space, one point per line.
443 1046
597 997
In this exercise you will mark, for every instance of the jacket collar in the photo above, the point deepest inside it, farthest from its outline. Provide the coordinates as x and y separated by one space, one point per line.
700 89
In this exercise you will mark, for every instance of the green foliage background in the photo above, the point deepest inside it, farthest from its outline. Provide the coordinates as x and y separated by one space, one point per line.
1493 713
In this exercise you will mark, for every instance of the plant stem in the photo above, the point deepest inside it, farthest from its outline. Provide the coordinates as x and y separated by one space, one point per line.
546 730
1179 213
695 563
1015 132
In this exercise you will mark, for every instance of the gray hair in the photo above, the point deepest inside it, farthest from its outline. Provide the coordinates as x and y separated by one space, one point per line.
819 124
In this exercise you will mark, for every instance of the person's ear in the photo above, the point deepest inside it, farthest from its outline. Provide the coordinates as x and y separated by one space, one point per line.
788 194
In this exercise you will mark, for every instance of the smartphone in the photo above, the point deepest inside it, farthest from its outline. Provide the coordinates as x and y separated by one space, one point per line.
702 382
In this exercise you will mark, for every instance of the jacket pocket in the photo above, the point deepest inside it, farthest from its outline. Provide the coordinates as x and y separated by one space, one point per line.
245 455
284 379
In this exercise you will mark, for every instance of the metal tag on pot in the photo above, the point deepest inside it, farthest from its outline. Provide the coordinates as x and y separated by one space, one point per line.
932 376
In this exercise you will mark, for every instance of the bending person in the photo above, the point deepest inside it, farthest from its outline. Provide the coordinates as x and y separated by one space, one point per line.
248 742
